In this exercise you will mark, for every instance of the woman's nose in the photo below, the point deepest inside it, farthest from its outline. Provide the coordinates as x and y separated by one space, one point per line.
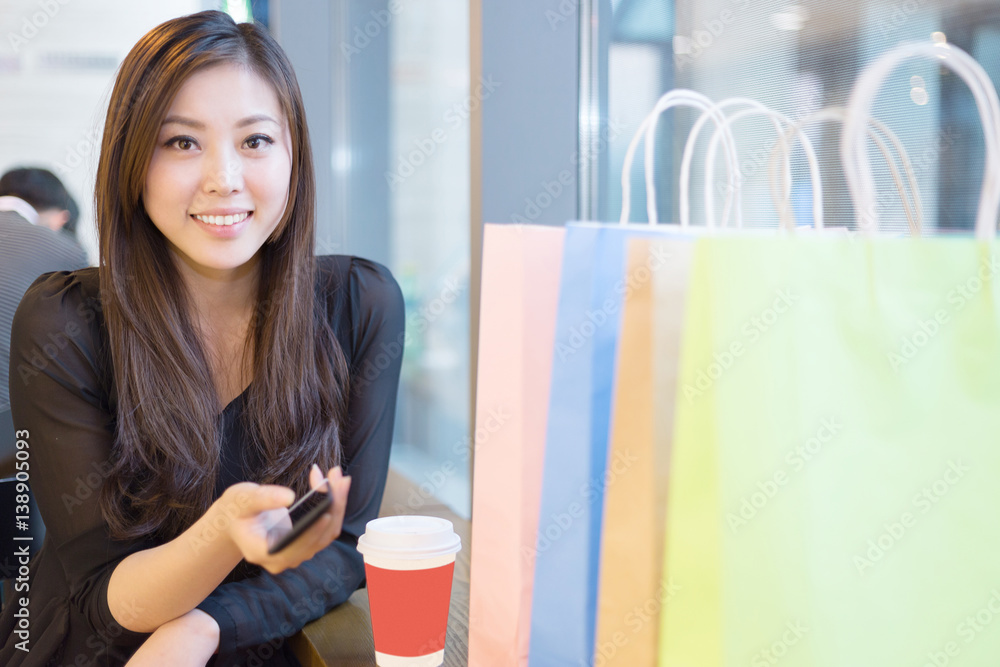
223 173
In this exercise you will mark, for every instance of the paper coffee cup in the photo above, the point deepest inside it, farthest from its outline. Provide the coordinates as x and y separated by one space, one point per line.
409 563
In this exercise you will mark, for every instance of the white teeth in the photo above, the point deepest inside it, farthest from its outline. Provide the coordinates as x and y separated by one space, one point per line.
223 220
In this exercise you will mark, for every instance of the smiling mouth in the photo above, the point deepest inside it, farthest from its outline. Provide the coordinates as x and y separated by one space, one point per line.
223 220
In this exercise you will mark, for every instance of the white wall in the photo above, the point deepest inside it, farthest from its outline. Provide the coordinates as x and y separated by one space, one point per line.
58 60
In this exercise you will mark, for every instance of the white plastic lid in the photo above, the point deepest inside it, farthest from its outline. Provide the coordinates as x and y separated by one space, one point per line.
409 537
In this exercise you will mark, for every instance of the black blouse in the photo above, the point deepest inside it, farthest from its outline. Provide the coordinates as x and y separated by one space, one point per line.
63 396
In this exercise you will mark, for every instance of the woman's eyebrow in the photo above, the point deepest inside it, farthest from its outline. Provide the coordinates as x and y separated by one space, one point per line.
258 118
198 125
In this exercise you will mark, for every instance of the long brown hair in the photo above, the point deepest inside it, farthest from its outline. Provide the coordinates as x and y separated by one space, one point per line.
166 454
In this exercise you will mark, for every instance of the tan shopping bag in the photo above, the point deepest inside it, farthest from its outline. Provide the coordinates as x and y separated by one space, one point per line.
633 587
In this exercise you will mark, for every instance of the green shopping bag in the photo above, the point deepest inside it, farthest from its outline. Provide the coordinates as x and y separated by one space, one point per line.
834 470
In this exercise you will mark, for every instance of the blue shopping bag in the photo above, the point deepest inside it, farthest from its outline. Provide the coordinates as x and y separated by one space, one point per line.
592 290
593 287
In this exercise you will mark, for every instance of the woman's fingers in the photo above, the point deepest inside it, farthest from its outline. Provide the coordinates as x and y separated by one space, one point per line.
339 509
307 544
316 538
315 476
251 499
327 528
321 533
333 520
335 513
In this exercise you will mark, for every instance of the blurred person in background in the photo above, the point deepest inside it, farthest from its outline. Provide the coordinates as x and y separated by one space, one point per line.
49 202
37 220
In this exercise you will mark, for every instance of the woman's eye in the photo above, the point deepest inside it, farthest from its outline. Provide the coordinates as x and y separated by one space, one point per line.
255 141
183 143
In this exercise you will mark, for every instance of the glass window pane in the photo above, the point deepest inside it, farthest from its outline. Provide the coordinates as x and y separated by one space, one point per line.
428 182
797 58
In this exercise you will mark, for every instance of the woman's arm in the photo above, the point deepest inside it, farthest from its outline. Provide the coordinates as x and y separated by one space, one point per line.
60 404
153 586
188 641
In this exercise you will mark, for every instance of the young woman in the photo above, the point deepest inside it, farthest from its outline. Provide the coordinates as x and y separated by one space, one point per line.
175 399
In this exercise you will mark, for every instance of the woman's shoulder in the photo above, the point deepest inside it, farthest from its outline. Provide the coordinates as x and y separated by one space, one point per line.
61 298
362 296
351 267
57 327
365 282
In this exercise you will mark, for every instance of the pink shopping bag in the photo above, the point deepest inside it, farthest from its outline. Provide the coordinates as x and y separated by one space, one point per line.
520 292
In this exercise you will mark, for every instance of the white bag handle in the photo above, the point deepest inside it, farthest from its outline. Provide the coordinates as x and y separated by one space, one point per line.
784 210
912 206
647 129
854 151
685 178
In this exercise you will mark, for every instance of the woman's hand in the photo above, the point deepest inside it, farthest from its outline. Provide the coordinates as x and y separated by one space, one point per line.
187 641
255 510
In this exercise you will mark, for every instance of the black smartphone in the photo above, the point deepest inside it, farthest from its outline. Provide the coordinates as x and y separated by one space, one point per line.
304 513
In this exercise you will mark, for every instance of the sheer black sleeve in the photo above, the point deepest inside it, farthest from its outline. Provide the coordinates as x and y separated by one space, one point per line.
367 314
60 406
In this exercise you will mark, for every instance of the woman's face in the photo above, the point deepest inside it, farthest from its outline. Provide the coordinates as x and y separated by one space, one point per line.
218 182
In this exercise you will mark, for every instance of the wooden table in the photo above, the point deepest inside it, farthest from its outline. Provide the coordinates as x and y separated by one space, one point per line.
343 637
